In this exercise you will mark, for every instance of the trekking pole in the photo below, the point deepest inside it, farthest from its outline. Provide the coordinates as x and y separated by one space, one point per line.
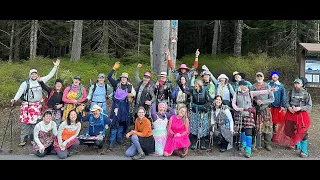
238 139
5 132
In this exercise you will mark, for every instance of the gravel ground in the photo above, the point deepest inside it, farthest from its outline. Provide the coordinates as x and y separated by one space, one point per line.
84 152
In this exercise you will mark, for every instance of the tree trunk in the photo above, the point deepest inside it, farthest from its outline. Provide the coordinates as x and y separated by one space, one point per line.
16 55
215 37
161 31
33 39
11 42
139 39
151 55
173 42
295 36
77 39
318 31
237 44
70 36
105 37
315 30
220 36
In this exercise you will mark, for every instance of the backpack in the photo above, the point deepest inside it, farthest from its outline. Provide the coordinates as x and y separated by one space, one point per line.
91 123
26 91
46 99
95 86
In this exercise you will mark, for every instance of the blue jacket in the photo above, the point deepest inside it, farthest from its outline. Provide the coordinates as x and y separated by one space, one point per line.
96 125
280 97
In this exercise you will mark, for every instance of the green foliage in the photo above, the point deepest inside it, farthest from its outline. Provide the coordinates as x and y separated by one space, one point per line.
88 67
287 66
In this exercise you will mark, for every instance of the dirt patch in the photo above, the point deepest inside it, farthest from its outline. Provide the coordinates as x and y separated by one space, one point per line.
277 152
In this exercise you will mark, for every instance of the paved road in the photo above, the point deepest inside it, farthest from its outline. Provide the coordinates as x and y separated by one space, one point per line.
108 157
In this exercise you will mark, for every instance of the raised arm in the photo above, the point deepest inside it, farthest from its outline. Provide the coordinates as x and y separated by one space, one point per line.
45 87
214 80
195 64
153 112
111 80
170 113
193 78
53 70
138 80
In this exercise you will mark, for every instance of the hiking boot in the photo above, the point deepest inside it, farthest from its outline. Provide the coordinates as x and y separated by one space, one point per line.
268 147
100 151
22 143
120 142
193 146
138 156
248 152
111 147
242 148
69 154
303 155
223 150
184 152
247 155
203 147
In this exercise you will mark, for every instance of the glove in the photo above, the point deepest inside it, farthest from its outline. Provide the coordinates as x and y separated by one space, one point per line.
204 67
116 65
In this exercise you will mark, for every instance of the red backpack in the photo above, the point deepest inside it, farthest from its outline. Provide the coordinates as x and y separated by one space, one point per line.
46 99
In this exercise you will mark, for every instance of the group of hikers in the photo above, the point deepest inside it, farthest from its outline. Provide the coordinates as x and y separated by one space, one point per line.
166 118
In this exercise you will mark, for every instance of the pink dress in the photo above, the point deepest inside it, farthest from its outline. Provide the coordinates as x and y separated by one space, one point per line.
175 143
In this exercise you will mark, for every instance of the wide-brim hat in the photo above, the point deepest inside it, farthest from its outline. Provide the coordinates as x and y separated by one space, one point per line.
243 75
124 74
183 66
223 76
260 74
96 107
147 74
